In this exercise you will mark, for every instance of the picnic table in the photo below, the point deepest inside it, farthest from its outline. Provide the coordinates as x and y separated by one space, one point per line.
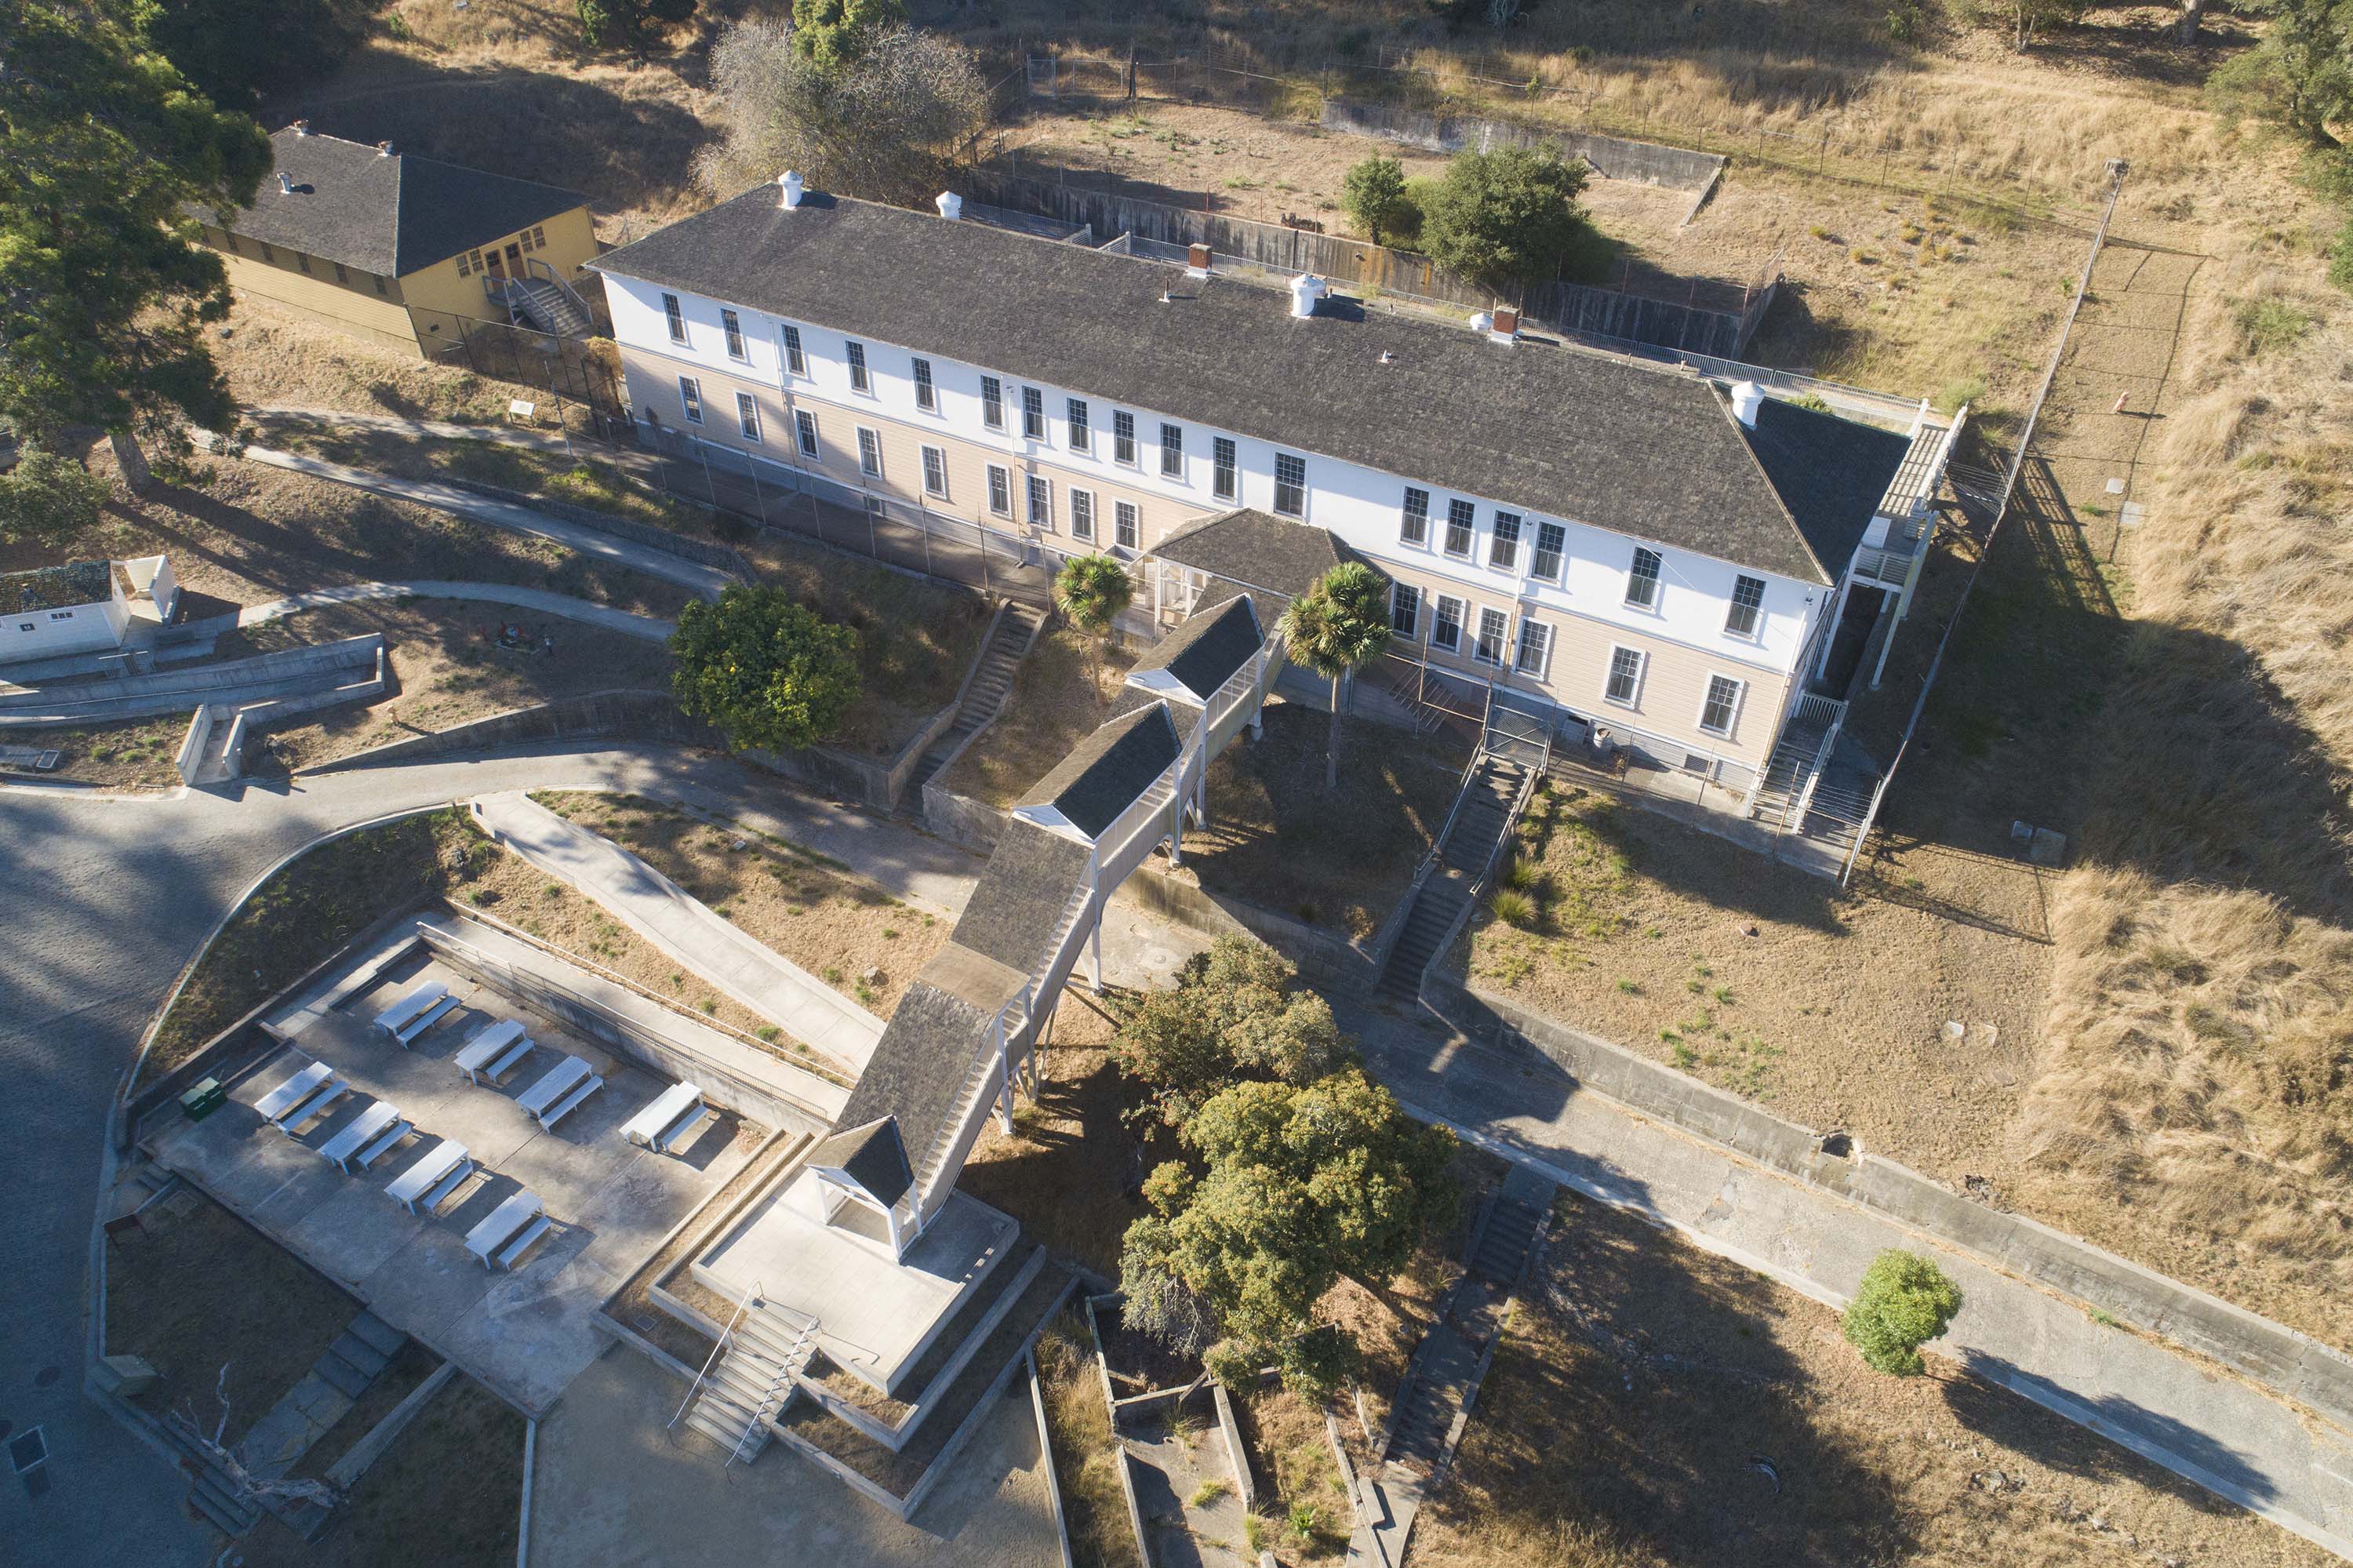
493 1049
431 1180
297 1087
672 1106
563 1086
406 1010
371 1133
512 1226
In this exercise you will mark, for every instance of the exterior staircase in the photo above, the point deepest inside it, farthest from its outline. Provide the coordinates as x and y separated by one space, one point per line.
548 306
1477 826
1017 629
750 1381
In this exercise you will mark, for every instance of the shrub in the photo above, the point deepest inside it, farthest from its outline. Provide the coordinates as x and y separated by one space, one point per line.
1524 876
2265 325
1375 198
1969 389
1511 216
1904 1301
1514 909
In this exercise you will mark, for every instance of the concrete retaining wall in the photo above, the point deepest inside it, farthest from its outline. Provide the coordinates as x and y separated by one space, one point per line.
961 820
1323 958
192 748
2293 1363
646 715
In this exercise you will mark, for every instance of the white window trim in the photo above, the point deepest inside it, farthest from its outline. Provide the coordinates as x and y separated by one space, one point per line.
1517 567
925 381
1543 671
739 347
673 308
1437 618
1030 483
942 454
792 354
867 433
1634 701
1740 701
747 417
1134 458
1420 612
1536 549
1305 491
998 404
1071 499
1422 544
1078 424
1658 584
1469 551
1179 476
995 472
1755 634
805 436
1226 479
1503 659
858 363
689 398
1126 511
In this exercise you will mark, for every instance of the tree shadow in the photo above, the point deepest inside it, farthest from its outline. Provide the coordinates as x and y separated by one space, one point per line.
1648 1390
1790 333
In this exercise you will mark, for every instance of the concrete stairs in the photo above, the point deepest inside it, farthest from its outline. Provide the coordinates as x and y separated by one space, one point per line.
1478 827
991 685
549 308
751 1381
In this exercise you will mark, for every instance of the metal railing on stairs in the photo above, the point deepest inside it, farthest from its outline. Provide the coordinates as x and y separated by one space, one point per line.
718 1346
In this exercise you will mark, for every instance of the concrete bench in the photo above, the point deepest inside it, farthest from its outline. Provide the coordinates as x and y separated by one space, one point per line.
431 1180
407 1034
404 1012
565 1085
511 1227
648 1124
683 1128
372 1131
297 1088
494 1048
327 1094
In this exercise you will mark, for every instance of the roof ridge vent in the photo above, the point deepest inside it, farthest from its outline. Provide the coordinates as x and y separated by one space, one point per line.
789 189
285 183
1746 398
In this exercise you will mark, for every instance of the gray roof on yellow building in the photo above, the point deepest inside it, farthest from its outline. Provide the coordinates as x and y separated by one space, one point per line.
392 214
1651 451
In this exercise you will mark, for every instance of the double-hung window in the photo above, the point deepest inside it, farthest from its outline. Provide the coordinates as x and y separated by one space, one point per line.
302 260
860 381
1033 413
689 398
1643 580
870 453
1041 501
747 416
1404 610
1075 409
935 472
1503 550
1123 437
671 310
1493 625
1722 706
795 362
805 426
1552 544
1124 523
927 398
1290 485
1082 514
342 276
1459 516
1535 647
1446 625
733 328
1413 525
1000 490
1748 613
1624 686
1172 452
1226 468
992 402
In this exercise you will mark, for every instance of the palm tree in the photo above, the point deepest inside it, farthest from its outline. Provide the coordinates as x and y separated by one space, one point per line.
1093 590
1336 629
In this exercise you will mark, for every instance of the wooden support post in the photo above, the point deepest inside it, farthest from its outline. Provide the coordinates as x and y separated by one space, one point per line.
1095 942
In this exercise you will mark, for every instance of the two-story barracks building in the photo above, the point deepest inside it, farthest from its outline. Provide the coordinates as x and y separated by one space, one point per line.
1647 550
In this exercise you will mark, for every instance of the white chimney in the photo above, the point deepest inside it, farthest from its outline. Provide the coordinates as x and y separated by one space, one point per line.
383 149
788 190
1746 398
1305 290
301 127
285 183
1482 322
951 204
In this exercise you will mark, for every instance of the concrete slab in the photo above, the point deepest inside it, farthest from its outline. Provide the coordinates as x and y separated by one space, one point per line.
609 1487
526 1333
875 1315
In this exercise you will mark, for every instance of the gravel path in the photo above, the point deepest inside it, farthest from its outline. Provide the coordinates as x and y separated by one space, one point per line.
652 628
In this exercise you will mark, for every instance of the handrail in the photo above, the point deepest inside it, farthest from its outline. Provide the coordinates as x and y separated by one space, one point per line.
534 264
718 1345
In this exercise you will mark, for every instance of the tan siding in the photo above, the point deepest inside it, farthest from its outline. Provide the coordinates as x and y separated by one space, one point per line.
358 309
438 293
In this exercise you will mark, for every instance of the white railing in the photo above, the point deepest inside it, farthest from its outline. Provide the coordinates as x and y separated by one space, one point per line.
713 1358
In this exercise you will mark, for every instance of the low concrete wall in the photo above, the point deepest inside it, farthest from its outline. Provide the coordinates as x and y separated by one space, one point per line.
2278 1357
1323 958
647 715
192 748
961 820
1237 1456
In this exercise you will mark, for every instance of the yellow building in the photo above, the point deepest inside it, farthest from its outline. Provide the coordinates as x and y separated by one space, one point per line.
396 249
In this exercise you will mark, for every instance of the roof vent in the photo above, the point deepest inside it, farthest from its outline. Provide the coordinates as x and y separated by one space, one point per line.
285 183
301 127
788 190
1482 322
1387 358
1507 325
1746 398
1196 262
1305 290
383 149
951 204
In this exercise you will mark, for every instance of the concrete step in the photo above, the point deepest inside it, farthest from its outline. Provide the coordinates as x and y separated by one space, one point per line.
379 1333
232 1516
342 1376
359 1355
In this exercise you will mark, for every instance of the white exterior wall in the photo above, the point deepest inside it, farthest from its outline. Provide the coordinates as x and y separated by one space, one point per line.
1363 505
72 629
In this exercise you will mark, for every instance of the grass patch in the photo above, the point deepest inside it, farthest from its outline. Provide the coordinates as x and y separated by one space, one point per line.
1086 1454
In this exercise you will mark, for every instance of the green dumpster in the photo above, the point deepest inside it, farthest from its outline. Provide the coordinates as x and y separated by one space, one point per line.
204 1099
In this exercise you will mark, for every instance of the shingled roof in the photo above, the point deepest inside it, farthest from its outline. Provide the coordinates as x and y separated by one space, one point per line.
1204 652
1832 473
1648 450
386 214
1108 771
1258 550
871 1155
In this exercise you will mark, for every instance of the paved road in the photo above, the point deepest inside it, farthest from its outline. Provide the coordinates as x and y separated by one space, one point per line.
107 898
708 581
651 627
2227 1434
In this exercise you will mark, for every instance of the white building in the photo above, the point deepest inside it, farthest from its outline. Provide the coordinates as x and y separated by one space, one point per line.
82 606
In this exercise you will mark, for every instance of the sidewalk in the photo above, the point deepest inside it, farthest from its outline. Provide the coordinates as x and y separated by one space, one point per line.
2229 1436
683 927
708 581
651 629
